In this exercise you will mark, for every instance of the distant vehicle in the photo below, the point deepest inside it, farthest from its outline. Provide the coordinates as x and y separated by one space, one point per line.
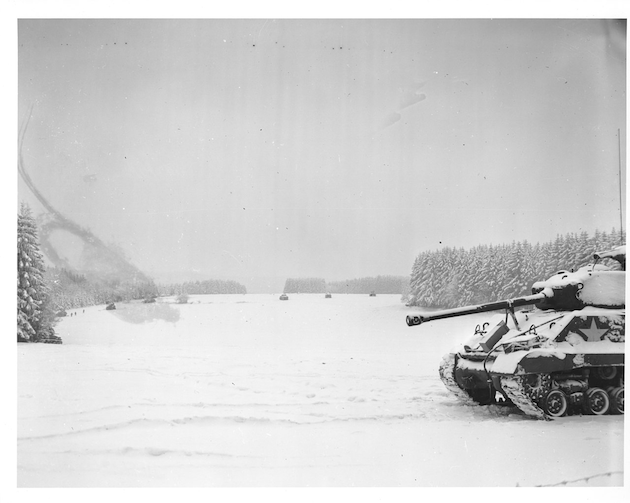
284 296
372 293
328 296
110 307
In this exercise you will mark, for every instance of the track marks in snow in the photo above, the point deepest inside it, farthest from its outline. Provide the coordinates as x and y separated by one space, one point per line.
327 402
319 412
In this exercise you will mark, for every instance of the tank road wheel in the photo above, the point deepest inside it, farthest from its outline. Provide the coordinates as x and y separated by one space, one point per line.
606 373
536 386
616 400
555 404
596 401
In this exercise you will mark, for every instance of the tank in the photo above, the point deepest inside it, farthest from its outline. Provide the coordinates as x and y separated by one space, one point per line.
555 352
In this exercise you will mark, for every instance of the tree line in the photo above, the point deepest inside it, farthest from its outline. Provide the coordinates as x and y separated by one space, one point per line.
210 286
304 285
452 277
70 290
378 284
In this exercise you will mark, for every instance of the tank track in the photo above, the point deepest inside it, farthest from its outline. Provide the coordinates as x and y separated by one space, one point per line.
447 374
524 396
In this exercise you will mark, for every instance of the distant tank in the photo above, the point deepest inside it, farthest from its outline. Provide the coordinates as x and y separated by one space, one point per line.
284 296
563 356
372 293
328 296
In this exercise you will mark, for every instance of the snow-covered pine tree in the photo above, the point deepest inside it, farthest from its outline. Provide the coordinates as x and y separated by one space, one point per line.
417 284
615 238
558 261
34 314
474 280
424 295
584 253
510 283
530 266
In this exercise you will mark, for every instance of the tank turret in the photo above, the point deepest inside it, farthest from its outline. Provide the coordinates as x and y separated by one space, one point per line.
593 285
563 355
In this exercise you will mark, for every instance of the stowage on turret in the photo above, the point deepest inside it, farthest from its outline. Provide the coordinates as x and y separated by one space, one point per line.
564 355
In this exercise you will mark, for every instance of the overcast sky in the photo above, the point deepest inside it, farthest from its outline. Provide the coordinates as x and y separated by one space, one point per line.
322 148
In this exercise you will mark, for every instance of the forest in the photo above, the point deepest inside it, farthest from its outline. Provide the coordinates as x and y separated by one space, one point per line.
210 286
69 290
378 284
451 277
305 285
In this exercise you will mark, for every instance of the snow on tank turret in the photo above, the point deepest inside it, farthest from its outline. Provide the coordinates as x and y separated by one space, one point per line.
565 355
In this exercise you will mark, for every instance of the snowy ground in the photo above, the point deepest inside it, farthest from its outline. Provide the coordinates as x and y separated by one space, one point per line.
248 390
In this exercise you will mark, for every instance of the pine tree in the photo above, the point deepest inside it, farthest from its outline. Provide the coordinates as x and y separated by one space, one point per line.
34 312
584 253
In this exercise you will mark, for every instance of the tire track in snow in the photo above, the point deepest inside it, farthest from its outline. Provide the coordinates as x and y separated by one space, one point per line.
200 420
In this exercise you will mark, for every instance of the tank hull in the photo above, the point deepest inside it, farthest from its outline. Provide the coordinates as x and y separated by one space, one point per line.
548 370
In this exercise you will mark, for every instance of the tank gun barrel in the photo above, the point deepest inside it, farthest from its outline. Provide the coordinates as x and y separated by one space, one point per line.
526 300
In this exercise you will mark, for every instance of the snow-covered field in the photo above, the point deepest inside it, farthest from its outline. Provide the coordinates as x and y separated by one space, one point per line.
248 390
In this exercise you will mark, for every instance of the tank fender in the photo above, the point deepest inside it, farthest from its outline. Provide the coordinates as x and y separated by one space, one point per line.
532 361
537 362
